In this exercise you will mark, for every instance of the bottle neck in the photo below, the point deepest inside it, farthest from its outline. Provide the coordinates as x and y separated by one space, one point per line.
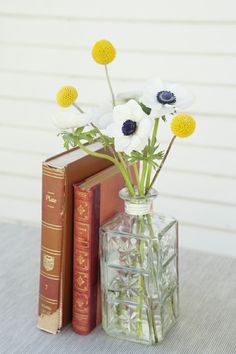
138 205
138 209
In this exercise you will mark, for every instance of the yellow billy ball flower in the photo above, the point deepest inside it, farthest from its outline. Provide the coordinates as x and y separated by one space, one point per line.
66 96
183 125
103 52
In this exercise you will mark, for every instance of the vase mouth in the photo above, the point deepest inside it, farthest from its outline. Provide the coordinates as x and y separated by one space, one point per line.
137 199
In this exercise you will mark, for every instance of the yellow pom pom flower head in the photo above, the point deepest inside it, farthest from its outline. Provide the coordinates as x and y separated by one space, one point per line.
103 52
66 96
183 125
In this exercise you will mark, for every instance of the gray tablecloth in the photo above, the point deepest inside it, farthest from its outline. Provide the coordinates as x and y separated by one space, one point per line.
207 322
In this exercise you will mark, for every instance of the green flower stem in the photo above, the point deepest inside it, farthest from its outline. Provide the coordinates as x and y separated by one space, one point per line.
96 154
78 107
126 171
162 162
153 141
136 172
143 175
142 291
125 165
139 327
114 161
104 140
155 248
127 181
109 84
122 160
129 172
154 133
148 178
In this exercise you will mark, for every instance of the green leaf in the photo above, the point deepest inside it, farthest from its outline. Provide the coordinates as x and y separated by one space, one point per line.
146 109
78 131
158 156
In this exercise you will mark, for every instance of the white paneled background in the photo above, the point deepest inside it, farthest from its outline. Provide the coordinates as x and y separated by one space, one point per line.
45 44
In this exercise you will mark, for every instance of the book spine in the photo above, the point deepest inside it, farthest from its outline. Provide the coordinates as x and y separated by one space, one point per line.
53 185
85 264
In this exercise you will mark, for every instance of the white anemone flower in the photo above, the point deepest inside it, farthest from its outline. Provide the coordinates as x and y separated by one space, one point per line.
164 98
102 115
131 127
66 119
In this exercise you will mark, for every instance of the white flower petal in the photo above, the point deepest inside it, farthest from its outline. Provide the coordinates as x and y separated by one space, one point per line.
145 128
65 120
113 130
184 101
120 113
150 90
153 86
101 116
183 97
121 143
104 121
128 111
135 111
165 110
149 101
134 144
142 145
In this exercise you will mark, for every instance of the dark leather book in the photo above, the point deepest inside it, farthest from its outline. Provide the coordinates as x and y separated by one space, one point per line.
59 174
95 201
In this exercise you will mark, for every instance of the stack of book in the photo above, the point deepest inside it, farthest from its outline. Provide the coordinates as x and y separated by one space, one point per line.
79 192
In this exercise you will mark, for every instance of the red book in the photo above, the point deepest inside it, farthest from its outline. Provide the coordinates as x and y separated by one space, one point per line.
59 174
95 200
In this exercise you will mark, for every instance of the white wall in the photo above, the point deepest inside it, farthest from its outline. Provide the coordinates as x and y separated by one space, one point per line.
45 44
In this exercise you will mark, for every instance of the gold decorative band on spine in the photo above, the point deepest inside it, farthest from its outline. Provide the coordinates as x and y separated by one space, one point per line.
50 170
59 174
46 174
52 301
53 172
52 226
53 277
51 251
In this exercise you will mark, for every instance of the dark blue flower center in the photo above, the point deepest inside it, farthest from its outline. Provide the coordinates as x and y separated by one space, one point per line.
166 97
129 127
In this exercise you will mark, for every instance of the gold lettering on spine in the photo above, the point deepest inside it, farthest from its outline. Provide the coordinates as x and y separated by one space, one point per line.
50 199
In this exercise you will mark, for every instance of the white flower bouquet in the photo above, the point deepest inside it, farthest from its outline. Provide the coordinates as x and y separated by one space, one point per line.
128 125
139 268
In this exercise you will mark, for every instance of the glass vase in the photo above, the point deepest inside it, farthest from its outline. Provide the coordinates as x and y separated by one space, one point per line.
139 272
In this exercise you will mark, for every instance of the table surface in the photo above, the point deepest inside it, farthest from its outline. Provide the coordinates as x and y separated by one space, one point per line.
207 322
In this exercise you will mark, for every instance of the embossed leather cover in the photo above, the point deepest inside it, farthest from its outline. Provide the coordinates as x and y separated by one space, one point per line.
96 200
59 174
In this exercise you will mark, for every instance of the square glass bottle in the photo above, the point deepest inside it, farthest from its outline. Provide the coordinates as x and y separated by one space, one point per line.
139 272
